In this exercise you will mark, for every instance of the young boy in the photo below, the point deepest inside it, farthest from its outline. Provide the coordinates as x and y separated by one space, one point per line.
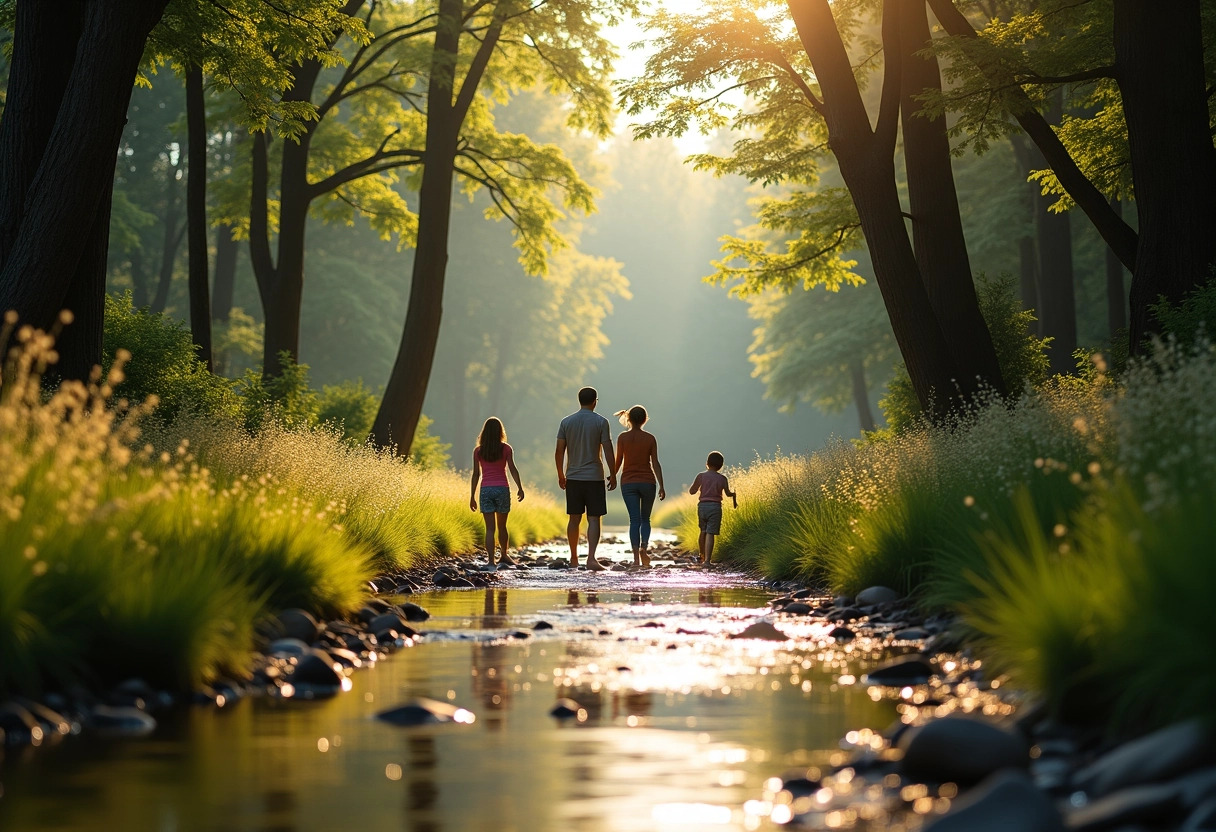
712 485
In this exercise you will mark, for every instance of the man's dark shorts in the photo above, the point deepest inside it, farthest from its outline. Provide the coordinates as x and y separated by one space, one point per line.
588 497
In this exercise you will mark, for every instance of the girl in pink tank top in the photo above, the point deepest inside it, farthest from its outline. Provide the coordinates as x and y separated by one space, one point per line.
491 459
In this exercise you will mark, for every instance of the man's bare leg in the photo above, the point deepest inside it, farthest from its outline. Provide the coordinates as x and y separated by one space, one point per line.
709 548
593 540
572 536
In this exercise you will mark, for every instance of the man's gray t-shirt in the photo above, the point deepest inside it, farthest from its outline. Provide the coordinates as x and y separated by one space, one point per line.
584 432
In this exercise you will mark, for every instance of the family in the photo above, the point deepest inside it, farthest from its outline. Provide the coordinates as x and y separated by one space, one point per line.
582 438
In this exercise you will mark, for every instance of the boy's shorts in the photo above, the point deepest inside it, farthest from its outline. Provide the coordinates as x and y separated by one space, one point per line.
709 517
495 498
588 497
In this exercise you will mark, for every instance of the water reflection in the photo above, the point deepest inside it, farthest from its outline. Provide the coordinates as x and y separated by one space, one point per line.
683 726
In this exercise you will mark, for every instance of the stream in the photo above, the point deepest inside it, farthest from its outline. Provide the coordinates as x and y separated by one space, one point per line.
679 726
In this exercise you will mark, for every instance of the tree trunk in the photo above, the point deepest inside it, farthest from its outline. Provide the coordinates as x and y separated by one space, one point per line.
861 396
196 213
70 190
1159 54
1028 273
401 408
45 38
866 158
283 311
223 290
937 228
80 344
1116 297
1057 287
139 278
1114 231
170 243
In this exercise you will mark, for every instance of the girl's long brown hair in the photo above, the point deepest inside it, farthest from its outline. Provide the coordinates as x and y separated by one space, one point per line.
489 444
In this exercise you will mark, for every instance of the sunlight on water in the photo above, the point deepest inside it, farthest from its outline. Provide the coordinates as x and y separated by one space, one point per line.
678 727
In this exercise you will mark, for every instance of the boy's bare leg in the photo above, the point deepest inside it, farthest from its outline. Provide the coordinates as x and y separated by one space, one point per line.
593 540
572 535
709 548
503 540
701 546
489 518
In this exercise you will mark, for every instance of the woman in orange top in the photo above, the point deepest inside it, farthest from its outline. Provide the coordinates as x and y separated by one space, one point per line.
637 460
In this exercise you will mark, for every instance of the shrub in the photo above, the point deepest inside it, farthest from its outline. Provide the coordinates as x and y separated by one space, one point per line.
1021 354
350 406
163 363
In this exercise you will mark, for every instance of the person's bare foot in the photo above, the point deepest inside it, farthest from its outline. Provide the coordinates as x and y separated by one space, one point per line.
507 560
594 565
645 561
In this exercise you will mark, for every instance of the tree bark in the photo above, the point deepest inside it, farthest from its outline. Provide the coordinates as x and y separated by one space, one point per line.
861 396
171 242
401 407
139 279
223 290
1159 55
74 178
937 227
80 344
1115 232
196 214
866 158
1116 297
1057 287
1028 274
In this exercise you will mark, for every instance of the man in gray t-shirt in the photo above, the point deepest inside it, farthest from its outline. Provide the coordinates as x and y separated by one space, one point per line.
581 438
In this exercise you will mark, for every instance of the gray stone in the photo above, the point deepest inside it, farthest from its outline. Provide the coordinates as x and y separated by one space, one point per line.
842 634
1155 802
565 709
910 634
297 623
1203 819
287 648
961 749
316 668
542 625
1157 756
1005 802
425 712
875 595
844 615
391 621
905 670
797 608
802 593
519 634
413 612
122 721
762 630
443 579
842 601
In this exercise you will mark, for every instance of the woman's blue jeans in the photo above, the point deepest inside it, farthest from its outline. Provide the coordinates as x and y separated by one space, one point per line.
639 500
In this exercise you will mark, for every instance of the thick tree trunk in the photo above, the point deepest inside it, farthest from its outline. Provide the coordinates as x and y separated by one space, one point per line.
1116 296
937 227
196 214
79 346
283 311
866 158
223 289
401 407
70 189
861 395
1115 232
1159 54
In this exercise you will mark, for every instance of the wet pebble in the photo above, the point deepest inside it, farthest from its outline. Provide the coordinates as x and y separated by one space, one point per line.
875 595
121 721
286 648
565 709
761 630
299 624
316 668
961 749
910 634
413 612
425 712
914 670
1162 754
542 625
797 608
1006 802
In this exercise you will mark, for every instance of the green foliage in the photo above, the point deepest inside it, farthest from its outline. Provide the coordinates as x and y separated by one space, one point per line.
1192 318
350 406
1021 354
287 398
428 452
163 363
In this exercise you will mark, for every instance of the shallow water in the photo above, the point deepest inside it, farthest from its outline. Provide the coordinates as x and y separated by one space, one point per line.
680 729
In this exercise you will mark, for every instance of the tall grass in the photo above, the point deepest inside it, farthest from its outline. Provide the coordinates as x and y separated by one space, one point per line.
1073 528
126 554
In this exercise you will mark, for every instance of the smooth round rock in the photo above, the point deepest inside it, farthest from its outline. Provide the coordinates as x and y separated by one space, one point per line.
1006 802
287 648
391 621
316 668
762 630
797 608
842 634
413 612
426 712
911 634
298 623
121 721
1165 753
961 749
565 709
874 595
542 625
905 670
